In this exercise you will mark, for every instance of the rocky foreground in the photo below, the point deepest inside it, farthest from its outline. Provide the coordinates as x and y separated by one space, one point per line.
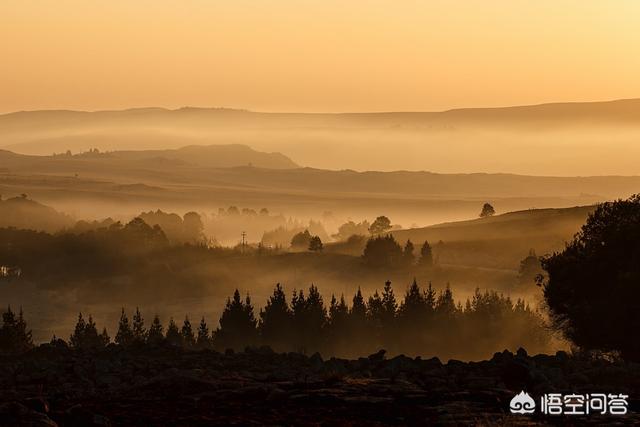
169 386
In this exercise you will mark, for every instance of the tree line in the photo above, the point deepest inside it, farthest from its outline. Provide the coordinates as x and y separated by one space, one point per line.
424 322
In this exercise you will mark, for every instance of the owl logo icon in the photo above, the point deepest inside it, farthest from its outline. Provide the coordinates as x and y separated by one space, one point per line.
522 403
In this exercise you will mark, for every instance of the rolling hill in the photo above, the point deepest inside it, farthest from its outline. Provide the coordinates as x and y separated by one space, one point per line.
566 139
503 240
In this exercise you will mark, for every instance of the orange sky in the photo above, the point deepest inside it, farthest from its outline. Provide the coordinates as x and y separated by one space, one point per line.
302 55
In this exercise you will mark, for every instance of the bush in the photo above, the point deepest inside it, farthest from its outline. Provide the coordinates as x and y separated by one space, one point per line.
593 286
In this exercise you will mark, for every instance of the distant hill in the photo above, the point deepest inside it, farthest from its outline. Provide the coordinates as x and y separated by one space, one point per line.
21 212
212 156
500 241
568 139
625 111
193 178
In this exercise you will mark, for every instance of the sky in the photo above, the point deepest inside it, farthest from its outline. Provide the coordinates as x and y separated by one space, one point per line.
315 56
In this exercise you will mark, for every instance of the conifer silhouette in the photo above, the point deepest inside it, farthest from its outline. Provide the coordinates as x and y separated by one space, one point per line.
173 336
155 335
407 253
238 326
275 326
77 338
426 255
204 339
104 337
188 337
124 336
139 331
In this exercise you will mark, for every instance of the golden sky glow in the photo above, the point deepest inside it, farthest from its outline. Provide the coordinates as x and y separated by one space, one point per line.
327 55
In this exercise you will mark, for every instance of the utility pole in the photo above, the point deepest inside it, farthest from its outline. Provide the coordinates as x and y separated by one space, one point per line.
244 235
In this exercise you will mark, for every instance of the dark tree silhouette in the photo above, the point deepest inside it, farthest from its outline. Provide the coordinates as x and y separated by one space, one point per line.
188 337
85 335
173 337
125 334
530 268
301 240
193 227
383 252
315 244
358 329
426 322
426 255
389 303
445 306
337 323
237 325
14 335
139 331
350 228
204 339
104 337
276 321
155 336
407 253
592 287
487 210
77 337
417 305
380 225
310 317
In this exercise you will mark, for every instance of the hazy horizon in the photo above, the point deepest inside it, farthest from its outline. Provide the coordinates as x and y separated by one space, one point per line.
327 112
557 139
316 56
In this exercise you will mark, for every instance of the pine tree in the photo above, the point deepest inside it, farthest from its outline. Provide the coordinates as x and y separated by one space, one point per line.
25 340
276 321
337 324
430 299
124 336
426 255
188 338
407 253
238 326
91 337
315 244
310 316
389 304
8 331
85 335
155 335
487 211
338 313
204 339
173 336
139 331
104 337
374 309
445 305
359 307
77 338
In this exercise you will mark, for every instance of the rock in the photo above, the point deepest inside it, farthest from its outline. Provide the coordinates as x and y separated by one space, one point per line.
14 414
516 374
277 395
78 415
171 386
378 357
316 361
37 404
402 363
